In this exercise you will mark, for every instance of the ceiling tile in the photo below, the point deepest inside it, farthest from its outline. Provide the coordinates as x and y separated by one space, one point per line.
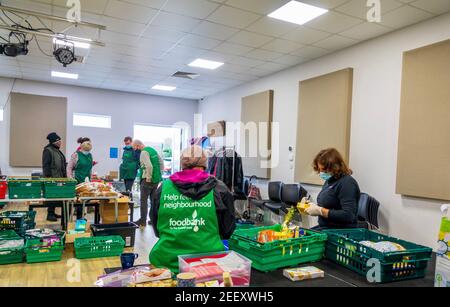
282 46
291 60
306 35
433 6
270 26
232 48
232 17
366 31
192 8
262 7
333 22
404 16
213 30
163 33
263 55
336 42
311 52
193 40
175 22
250 39
325 4
134 13
157 4
359 9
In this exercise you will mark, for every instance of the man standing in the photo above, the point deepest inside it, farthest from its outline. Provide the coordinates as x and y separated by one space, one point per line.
54 166
152 166
130 164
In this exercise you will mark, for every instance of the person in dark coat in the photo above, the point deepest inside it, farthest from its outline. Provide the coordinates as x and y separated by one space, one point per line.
53 166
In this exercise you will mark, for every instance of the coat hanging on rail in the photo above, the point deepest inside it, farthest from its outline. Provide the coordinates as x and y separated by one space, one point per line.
226 165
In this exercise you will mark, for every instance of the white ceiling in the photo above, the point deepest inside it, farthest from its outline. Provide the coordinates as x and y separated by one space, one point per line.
149 40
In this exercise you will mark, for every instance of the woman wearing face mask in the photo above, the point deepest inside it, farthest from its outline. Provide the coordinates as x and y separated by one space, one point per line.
338 201
81 162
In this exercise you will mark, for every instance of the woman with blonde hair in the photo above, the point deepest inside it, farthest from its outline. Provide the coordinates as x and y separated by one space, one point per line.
338 201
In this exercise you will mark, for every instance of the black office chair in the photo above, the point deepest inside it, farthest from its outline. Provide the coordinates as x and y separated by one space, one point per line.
368 212
274 202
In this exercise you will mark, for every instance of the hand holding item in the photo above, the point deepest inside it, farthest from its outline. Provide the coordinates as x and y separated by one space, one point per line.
314 210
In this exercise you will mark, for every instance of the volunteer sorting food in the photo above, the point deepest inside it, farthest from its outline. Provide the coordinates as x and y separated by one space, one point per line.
338 201
192 212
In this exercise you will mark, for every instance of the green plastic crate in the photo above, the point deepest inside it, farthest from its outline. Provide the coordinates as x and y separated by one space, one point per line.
278 254
343 248
19 188
59 188
10 255
98 247
37 252
19 221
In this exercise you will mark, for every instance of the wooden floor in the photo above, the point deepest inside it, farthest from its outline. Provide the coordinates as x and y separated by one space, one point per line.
59 274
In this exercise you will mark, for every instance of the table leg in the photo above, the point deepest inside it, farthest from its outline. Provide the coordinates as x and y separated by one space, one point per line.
64 216
116 212
82 209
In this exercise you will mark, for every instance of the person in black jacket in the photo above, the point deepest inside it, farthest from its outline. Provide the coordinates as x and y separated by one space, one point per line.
194 183
338 201
54 165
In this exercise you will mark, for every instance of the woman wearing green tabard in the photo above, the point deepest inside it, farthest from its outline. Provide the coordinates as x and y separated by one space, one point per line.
81 162
192 212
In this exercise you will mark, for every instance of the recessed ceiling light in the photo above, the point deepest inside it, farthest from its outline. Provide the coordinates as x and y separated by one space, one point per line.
58 74
166 88
68 42
297 12
206 64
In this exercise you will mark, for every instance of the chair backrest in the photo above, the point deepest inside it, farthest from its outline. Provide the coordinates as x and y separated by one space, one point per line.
368 209
275 190
291 194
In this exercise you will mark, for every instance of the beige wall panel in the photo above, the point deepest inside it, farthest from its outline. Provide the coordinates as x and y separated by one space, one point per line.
257 109
324 120
32 119
423 168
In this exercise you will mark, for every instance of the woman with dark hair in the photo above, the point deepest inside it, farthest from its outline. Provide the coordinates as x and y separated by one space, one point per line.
338 201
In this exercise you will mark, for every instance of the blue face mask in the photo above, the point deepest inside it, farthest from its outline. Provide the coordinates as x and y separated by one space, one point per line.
325 176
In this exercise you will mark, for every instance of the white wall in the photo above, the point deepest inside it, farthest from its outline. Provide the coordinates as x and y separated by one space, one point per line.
375 121
125 109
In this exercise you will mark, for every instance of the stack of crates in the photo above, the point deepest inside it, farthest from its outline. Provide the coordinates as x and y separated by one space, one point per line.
59 188
19 221
98 247
344 248
11 247
45 249
278 254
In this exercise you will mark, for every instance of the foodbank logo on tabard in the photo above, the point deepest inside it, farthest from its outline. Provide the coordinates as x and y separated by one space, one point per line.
187 223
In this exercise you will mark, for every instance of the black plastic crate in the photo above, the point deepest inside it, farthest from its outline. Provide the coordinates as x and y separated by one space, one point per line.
126 230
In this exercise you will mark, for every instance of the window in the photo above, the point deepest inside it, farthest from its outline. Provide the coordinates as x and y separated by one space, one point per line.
91 120
1 115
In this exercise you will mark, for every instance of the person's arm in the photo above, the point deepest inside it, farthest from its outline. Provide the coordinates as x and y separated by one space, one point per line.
148 167
161 163
348 196
47 163
72 164
154 210
225 210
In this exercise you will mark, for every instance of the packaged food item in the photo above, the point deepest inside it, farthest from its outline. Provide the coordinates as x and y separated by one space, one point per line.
304 273
266 236
186 280
150 275
384 246
227 281
212 284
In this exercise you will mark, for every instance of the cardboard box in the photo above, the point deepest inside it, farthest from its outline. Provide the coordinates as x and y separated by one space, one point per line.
304 273
70 238
114 174
107 211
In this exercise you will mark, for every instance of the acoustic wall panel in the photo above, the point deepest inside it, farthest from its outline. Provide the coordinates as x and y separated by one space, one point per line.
257 112
32 119
423 168
324 120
